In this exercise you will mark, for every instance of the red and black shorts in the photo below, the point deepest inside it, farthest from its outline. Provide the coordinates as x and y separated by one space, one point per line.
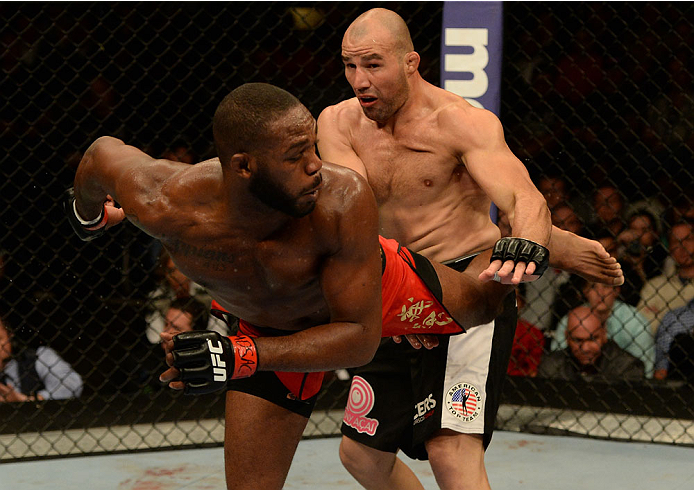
297 392
411 294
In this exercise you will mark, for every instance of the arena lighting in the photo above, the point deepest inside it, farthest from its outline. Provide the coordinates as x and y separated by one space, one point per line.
306 18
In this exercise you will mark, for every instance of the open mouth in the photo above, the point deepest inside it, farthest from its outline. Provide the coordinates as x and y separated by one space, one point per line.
367 101
314 191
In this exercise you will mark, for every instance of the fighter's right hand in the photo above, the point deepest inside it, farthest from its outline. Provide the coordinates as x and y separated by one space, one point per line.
89 230
202 361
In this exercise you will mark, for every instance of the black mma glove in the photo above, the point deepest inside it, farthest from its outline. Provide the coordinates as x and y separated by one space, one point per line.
206 360
86 230
521 250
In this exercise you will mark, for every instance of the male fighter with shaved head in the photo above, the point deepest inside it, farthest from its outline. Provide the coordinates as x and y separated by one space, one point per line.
290 246
435 164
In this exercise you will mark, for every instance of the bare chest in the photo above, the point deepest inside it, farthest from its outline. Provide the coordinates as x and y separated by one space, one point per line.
270 283
411 164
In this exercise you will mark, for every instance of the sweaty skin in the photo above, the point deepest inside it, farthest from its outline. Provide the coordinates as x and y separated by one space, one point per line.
268 268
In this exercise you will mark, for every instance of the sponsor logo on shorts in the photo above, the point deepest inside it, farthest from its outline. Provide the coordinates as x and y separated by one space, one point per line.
424 409
361 401
464 401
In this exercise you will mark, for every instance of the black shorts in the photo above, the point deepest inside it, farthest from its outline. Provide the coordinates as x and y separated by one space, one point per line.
266 385
401 398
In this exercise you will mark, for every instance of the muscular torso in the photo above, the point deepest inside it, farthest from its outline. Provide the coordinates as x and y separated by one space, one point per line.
270 282
427 199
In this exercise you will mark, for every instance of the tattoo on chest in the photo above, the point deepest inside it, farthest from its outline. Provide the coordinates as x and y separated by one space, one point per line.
214 259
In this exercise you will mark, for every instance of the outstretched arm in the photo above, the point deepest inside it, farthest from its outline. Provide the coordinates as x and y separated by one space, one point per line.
111 170
479 140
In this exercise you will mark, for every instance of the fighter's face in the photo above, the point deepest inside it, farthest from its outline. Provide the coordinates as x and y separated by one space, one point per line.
288 176
377 76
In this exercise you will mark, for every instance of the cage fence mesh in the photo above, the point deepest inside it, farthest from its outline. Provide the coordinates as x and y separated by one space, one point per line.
597 101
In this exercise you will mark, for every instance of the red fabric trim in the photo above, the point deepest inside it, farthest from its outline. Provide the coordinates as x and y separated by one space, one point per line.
409 306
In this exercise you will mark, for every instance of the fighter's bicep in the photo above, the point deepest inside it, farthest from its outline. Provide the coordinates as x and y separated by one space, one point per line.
351 276
351 284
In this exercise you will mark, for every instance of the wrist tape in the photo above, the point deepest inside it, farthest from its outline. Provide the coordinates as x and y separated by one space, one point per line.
245 356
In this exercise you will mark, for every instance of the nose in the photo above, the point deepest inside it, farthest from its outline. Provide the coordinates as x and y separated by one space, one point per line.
314 165
361 80
589 347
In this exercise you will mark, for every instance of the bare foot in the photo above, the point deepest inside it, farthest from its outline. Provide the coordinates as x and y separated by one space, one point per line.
584 257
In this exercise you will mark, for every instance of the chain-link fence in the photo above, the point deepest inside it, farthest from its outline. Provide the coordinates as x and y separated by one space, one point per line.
596 96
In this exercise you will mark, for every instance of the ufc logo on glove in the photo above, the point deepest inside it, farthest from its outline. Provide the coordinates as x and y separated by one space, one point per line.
220 373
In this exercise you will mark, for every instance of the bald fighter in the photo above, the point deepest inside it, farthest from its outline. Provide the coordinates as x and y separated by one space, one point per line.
289 245
435 164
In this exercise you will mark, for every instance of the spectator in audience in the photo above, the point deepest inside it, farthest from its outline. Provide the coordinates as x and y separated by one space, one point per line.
669 291
589 353
608 205
28 374
553 188
186 315
564 217
623 323
528 344
174 285
639 245
633 281
676 322
607 240
183 314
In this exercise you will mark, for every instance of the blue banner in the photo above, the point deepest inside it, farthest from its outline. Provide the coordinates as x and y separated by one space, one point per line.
471 51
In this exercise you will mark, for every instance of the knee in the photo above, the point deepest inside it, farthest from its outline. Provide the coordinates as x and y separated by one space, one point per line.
351 455
454 450
360 459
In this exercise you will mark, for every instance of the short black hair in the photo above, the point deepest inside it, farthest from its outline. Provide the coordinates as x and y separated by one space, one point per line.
242 118
196 309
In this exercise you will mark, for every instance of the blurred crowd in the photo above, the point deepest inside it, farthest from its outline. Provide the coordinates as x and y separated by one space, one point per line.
569 327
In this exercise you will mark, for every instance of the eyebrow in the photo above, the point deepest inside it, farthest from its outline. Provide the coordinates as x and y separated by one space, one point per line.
303 142
367 57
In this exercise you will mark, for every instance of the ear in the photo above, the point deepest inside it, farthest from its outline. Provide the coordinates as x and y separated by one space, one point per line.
242 164
411 62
